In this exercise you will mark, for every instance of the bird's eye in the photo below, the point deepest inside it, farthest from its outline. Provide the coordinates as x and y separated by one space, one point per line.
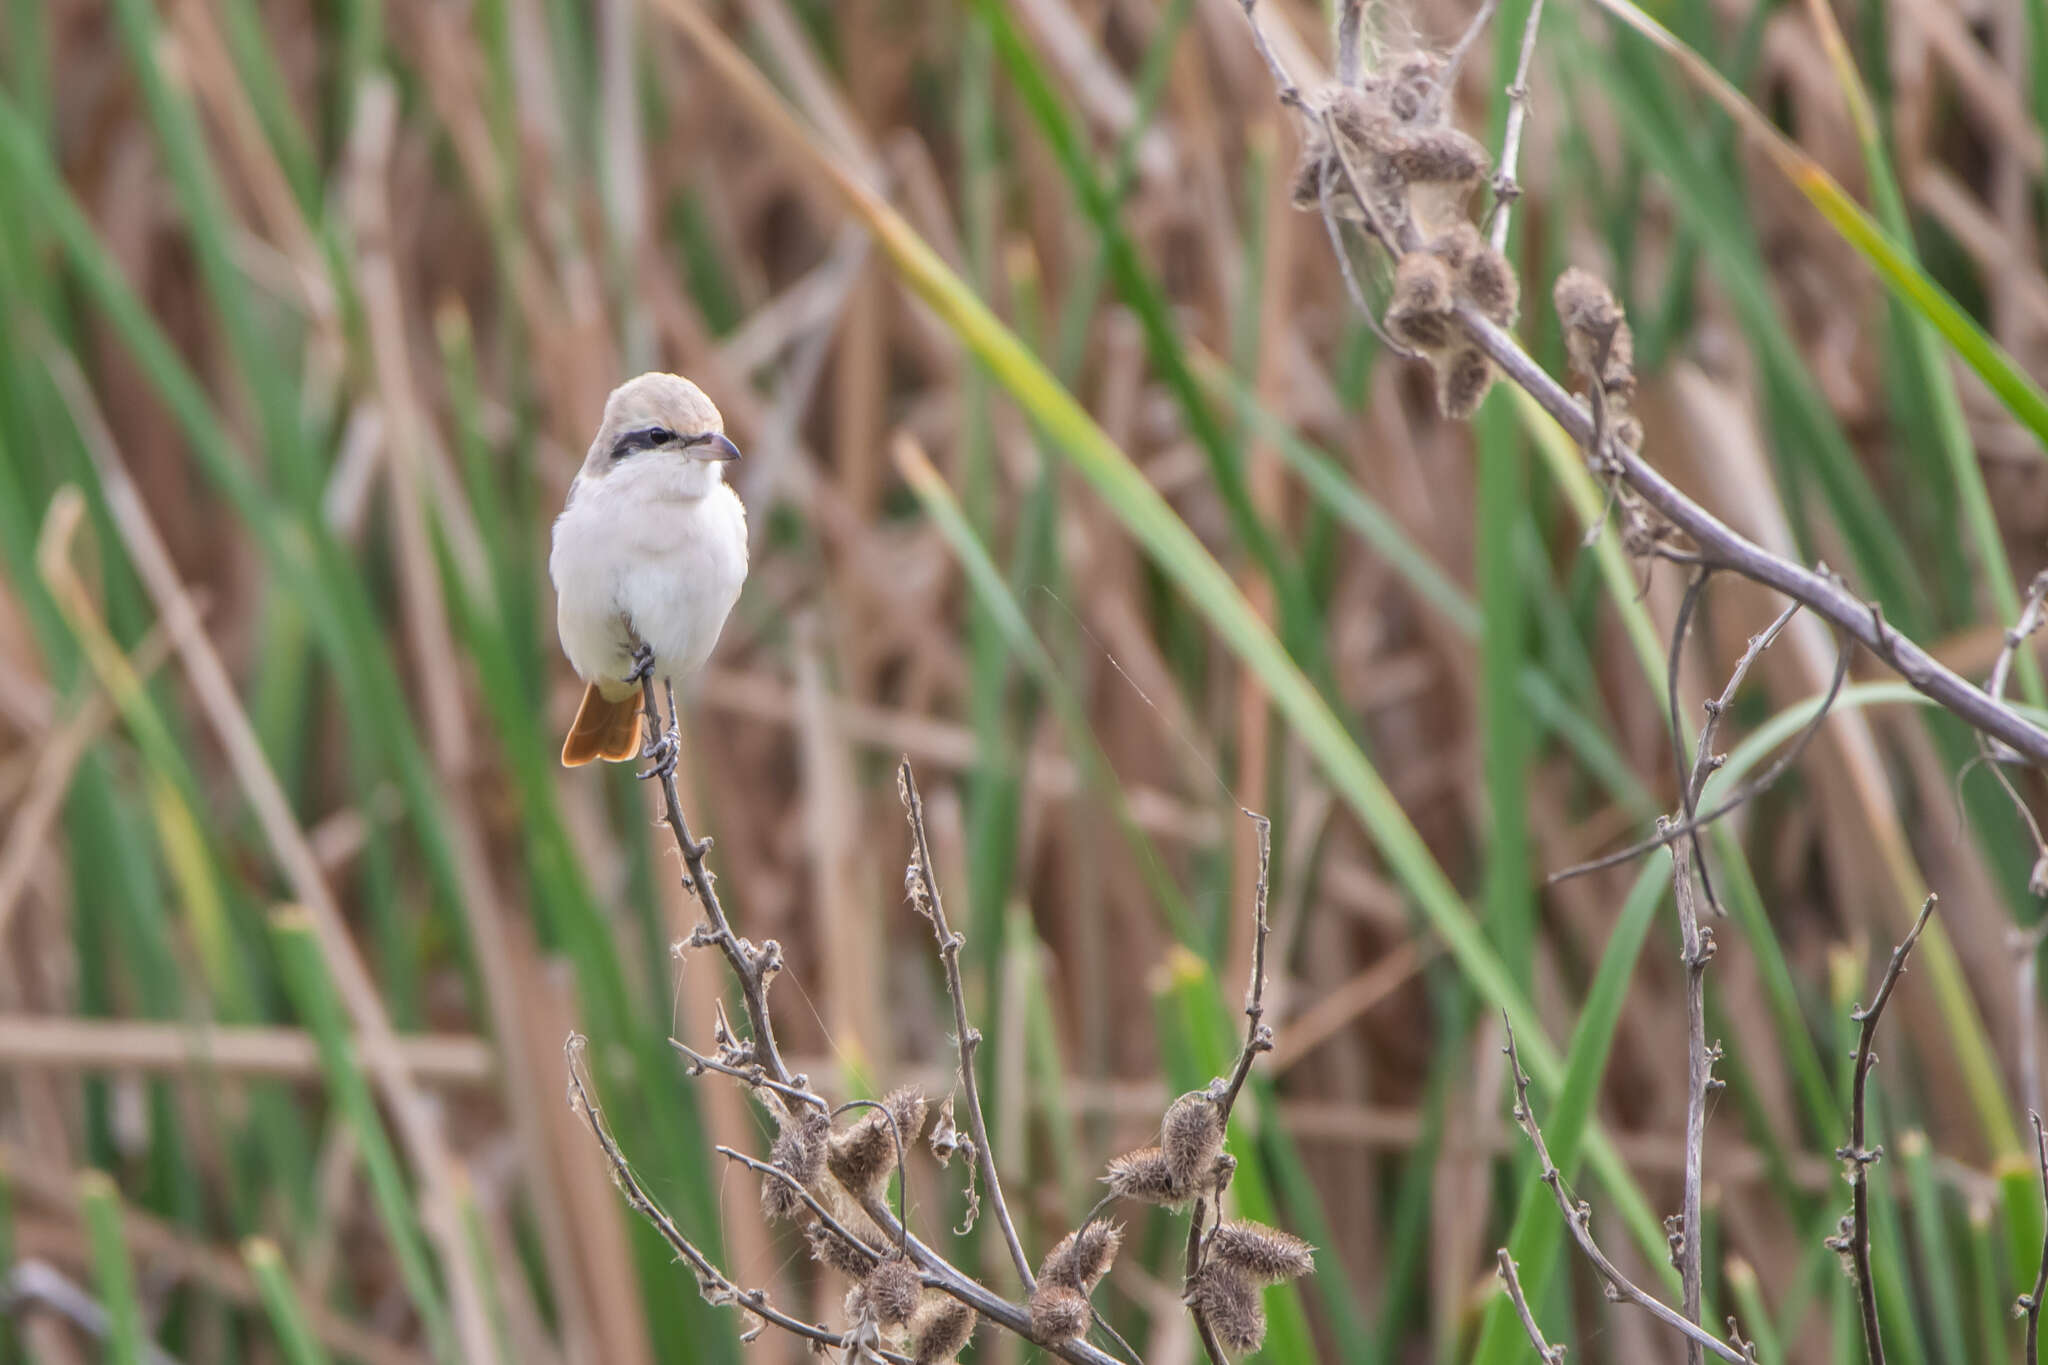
660 436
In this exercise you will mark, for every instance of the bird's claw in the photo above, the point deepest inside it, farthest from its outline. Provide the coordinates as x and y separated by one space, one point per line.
643 664
664 751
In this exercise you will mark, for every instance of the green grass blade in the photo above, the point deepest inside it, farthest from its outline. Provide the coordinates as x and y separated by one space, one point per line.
112 1272
312 990
296 1341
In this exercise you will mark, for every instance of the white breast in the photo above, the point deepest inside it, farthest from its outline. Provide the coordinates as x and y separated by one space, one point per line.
632 560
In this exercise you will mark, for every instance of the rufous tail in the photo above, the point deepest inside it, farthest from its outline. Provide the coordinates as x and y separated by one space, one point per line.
603 729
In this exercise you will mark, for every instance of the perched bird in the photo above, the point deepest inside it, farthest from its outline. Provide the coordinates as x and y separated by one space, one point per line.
648 559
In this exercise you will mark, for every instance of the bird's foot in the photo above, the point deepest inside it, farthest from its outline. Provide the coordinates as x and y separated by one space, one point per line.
643 664
664 751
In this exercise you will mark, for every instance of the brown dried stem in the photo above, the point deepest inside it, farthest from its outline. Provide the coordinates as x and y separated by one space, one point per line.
924 892
1578 1217
1855 1238
1551 1355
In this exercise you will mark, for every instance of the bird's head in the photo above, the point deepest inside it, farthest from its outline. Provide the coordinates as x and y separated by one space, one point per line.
661 422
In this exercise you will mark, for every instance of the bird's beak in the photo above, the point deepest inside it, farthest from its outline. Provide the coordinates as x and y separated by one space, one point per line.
714 445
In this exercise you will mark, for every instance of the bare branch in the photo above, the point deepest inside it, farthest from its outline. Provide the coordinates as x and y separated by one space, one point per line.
1551 1355
1720 545
755 1075
755 967
1506 189
1697 948
1578 1217
922 882
1854 1237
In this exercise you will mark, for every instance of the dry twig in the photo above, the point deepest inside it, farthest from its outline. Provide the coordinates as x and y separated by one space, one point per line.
922 883
1852 1239
1551 1355
1578 1217
1258 1038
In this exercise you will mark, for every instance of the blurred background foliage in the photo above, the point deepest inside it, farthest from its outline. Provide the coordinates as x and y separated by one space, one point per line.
309 307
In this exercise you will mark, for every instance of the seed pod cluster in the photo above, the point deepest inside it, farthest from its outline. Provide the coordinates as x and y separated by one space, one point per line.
1261 1254
1230 1302
1147 1177
828 1248
1191 1135
940 1330
800 1150
1081 1258
862 1154
893 1291
1059 1312
1389 142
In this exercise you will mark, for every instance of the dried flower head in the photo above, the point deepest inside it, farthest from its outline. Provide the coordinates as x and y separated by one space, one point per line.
1083 1257
1262 1254
1419 314
1191 1135
862 1154
940 1329
828 1248
893 1291
1059 1312
1462 381
1596 332
1146 1176
800 1150
1231 1303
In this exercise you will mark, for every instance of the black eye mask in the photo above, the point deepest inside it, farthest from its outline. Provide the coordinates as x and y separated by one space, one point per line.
645 438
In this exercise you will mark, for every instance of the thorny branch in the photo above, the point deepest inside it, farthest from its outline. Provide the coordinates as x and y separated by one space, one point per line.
1551 1355
1578 1217
1716 544
711 1281
1697 946
754 966
1853 1238
1507 189
760 1066
922 882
